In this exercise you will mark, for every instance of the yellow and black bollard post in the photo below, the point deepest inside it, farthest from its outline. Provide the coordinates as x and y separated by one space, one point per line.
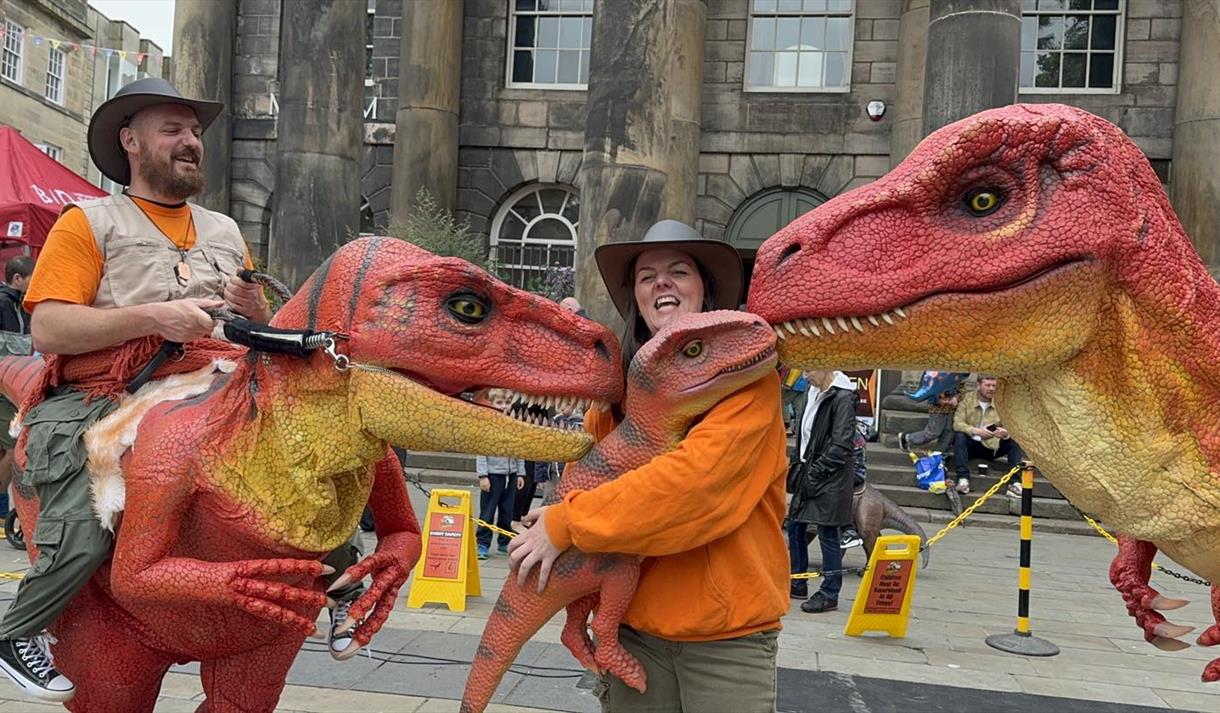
1021 641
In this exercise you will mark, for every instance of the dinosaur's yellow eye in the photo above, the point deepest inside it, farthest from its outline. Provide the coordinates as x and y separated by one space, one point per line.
983 201
467 308
693 349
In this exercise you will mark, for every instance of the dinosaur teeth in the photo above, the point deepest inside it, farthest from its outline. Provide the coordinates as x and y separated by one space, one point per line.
788 326
842 323
856 323
779 333
830 328
802 328
898 311
873 320
888 319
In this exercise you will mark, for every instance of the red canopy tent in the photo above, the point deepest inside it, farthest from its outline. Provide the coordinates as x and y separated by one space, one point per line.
33 189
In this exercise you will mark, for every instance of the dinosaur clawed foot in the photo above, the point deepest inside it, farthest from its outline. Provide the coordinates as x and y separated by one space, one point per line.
254 593
575 634
370 611
1130 572
1211 673
613 658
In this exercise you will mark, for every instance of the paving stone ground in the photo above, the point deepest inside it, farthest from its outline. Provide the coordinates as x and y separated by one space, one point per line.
942 665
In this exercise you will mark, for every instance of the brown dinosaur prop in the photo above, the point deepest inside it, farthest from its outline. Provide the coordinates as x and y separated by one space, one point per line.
238 481
1036 243
873 512
684 370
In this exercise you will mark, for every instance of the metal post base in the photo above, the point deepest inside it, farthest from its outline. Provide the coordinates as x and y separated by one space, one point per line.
1023 644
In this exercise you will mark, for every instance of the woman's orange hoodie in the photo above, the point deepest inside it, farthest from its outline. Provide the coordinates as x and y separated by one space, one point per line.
707 516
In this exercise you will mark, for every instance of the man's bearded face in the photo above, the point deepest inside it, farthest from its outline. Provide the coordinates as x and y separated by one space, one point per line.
169 151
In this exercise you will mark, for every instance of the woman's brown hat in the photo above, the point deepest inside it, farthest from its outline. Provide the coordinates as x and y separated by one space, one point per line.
716 257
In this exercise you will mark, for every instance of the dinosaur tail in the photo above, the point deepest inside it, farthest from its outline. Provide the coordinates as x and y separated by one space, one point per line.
518 614
896 518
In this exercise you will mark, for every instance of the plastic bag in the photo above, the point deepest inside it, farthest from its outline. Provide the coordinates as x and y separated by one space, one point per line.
930 472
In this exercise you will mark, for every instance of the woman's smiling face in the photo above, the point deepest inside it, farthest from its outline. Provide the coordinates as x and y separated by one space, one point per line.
667 283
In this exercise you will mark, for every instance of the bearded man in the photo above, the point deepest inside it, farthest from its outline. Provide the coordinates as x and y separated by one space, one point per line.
142 263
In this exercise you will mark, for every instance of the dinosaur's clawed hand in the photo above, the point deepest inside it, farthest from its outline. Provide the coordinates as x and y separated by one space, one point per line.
1130 572
390 566
255 590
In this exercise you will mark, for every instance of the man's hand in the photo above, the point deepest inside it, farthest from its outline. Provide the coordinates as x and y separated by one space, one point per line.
183 320
247 299
1000 433
520 482
485 483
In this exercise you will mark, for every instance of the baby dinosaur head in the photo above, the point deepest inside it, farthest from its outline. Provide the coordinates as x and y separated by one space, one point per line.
694 362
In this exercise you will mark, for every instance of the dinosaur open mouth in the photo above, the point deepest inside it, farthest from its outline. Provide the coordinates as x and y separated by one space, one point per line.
527 408
815 326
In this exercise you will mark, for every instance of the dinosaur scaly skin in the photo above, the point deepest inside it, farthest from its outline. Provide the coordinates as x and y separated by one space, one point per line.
1036 243
233 497
686 369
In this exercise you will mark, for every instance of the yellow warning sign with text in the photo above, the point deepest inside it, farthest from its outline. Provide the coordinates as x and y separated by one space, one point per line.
883 601
447 571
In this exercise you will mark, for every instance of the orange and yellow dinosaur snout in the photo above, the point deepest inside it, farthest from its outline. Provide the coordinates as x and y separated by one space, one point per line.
434 328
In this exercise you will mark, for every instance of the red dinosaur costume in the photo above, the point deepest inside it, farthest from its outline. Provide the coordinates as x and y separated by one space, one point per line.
234 494
687 368
1035 242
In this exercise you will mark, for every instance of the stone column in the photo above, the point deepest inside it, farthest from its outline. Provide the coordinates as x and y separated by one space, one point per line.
319 135
429 90
907 128
973 59
203 69
641 136
1194 186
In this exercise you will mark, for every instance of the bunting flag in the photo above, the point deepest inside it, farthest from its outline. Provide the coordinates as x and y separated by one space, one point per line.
69 46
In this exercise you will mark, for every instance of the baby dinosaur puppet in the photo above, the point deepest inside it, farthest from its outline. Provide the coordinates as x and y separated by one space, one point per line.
687 368
233 495
1035 242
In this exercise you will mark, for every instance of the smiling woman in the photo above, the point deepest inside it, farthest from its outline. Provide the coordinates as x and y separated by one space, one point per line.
717 579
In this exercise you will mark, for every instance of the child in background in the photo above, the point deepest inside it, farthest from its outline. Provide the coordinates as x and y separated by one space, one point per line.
498 483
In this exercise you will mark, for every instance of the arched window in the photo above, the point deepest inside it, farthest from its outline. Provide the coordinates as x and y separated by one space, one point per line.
760 216
535 228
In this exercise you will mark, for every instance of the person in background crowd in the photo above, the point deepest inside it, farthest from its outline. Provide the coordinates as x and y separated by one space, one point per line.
13 317
498 486
979 434
821 484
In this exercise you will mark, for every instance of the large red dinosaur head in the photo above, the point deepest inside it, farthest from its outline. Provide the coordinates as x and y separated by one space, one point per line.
435 327
999 244
693 363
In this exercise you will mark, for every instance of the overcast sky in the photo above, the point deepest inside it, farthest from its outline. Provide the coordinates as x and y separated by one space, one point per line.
154 19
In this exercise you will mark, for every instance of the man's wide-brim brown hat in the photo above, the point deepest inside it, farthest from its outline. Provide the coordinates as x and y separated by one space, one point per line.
104 147
719 259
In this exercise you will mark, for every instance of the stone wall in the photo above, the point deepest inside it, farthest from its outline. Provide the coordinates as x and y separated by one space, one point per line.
823 141
252 169
1145 106
25 106
386 38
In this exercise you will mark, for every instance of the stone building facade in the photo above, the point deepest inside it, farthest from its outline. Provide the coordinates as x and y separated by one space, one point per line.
755 110
51 81
44 89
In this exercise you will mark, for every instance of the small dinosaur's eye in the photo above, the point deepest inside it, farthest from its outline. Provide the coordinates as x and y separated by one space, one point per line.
467 308
693 349
983 201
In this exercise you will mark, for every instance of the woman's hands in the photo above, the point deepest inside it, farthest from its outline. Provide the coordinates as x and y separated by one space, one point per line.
533 547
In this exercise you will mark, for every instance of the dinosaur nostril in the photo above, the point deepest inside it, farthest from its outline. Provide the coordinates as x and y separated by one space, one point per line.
788 252
602 350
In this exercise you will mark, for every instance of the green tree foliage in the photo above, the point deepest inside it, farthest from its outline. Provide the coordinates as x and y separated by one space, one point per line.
434 229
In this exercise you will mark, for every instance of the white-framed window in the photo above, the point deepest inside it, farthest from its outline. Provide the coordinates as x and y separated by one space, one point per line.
57 66
10 62
370 23
799 46
51 150
535 228
1071 46
548 43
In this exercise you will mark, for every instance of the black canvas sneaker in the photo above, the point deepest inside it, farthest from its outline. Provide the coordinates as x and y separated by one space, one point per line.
28 662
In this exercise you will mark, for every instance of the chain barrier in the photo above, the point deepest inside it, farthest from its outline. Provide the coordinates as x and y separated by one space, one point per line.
970 510
1114 541
414 480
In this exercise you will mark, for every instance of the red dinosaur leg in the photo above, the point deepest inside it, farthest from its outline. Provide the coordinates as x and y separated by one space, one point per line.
575 634
1211 637
618 586
101 652
249 682
1130 572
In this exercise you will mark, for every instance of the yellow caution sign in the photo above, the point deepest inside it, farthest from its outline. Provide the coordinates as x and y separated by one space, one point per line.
447 571
883 601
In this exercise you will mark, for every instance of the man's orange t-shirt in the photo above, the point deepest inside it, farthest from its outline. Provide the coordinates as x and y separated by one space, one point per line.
69 268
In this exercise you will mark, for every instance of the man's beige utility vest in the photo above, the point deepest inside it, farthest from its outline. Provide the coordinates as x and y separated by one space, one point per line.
139 260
